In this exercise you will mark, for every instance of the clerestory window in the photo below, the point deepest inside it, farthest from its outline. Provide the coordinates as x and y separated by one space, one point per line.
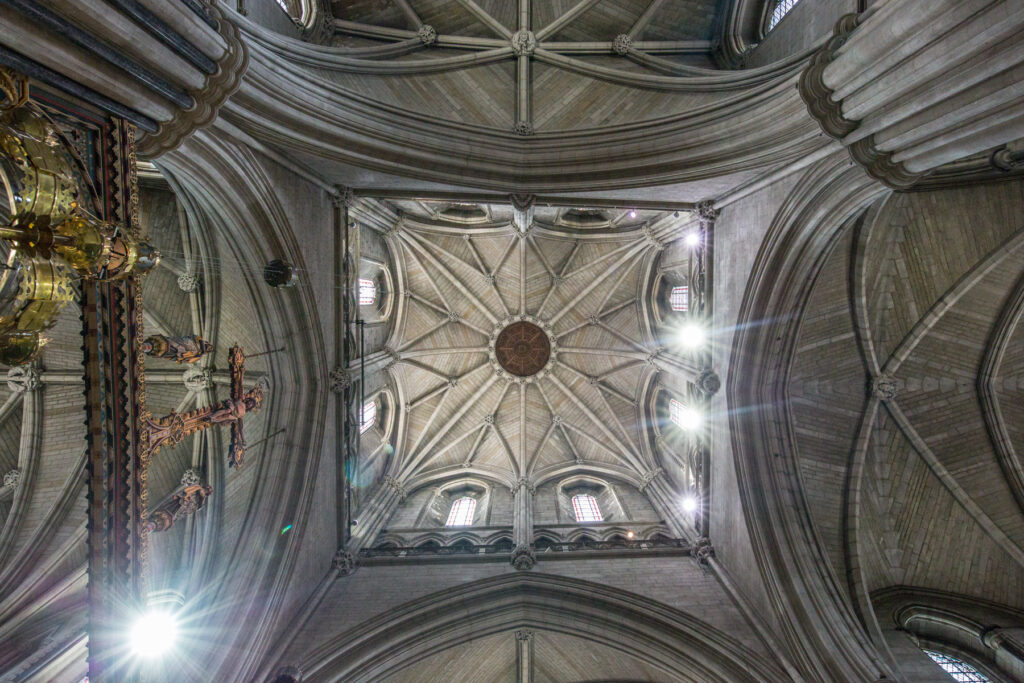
367 416
959 671
462 511
679 299
367 292
584 506
778 11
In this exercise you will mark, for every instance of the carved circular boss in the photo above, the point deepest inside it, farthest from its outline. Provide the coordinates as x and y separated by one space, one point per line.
521 348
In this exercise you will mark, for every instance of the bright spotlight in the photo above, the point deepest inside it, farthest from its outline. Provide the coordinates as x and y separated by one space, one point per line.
154 633
692 335
690 504
693 238
690 419
632 213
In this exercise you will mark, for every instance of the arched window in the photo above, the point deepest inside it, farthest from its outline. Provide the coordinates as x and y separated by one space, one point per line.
462 512
367 292
679 299
959 671
368 416
585 507
683 417
778 11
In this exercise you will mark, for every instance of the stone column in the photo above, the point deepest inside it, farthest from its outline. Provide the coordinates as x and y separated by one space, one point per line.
524 656
523 556
910 86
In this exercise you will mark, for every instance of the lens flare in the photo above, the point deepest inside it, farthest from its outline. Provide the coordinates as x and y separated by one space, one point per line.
153 634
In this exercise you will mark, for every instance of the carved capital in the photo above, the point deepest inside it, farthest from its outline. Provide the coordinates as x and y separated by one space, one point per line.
705 212
622 44
427 34
188 282
12 478
523 128
340 380
702 550
523 557
709 382
24 378
521 483
524 635
344 562
524 42
343 197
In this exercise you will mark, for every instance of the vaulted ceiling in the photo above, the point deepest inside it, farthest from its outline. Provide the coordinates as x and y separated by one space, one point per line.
905 395
585 288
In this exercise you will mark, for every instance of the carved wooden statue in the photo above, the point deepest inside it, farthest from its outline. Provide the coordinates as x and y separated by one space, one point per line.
180 349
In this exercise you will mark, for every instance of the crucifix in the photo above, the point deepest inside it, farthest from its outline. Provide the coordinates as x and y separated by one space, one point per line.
173 427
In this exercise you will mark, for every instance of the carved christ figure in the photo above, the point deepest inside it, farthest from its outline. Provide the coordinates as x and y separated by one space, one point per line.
172 428
180 349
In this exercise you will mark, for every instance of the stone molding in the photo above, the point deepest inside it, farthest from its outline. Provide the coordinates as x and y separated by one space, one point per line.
197 379
345 563
622 44
208 101
12 478
427 34
188 282
524 43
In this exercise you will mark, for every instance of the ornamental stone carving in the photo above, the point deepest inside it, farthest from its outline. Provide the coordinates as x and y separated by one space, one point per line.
427 34
190 477
523 557
523 482
197 379
395 486
340 380
705 212
343 197
344 562
488 419
24 378
12 479
453 317
702 550
188 282
523 128
622 44
709 382
524 42
883 387
524 635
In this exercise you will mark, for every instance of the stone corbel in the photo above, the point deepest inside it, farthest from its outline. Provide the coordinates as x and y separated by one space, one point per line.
208 101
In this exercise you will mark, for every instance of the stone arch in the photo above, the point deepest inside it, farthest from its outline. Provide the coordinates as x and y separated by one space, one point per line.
684 647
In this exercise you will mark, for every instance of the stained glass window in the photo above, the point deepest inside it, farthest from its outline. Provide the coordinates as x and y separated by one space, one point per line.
680 298
462 512
367 292
962 672
779 11
368 416
585 508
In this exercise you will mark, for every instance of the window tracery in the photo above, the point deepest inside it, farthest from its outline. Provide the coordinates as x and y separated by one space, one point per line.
461 513
959 671
584 506
780 9
679 298
367 292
